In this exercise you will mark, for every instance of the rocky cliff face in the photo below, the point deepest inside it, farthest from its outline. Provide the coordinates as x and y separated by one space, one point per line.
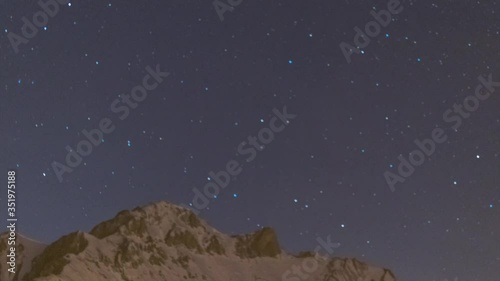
165 242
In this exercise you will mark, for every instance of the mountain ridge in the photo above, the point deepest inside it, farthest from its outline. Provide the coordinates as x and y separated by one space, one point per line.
163 241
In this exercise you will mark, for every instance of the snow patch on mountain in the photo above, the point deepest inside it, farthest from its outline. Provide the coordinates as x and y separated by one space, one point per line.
163 241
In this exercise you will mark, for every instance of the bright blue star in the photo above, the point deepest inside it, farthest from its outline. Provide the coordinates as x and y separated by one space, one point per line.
235 195
129 143
491 205
290 61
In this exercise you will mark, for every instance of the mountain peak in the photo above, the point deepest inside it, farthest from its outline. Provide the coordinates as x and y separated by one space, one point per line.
137 220
163 241
262 243
53 258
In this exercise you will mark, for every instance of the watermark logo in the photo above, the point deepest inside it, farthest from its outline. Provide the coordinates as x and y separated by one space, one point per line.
372 29
11 221
427 147
221 7
40 19
310 264
249 148
120 106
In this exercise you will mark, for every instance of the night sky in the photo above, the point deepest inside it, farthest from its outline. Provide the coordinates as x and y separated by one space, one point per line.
321 175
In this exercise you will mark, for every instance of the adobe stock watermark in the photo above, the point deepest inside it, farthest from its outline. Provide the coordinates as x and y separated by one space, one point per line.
40 19
372 29
221 7
310 264
427 147
120 106
222 178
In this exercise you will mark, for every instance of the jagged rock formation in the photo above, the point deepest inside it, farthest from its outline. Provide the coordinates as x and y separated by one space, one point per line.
163 241
262 243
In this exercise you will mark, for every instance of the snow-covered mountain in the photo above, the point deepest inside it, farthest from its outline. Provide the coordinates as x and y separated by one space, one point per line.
26 250
163 242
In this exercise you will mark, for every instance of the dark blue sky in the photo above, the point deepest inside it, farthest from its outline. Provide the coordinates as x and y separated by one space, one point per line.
323 174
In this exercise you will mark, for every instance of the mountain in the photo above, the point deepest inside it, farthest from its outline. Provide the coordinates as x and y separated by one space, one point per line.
163 242
26 250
